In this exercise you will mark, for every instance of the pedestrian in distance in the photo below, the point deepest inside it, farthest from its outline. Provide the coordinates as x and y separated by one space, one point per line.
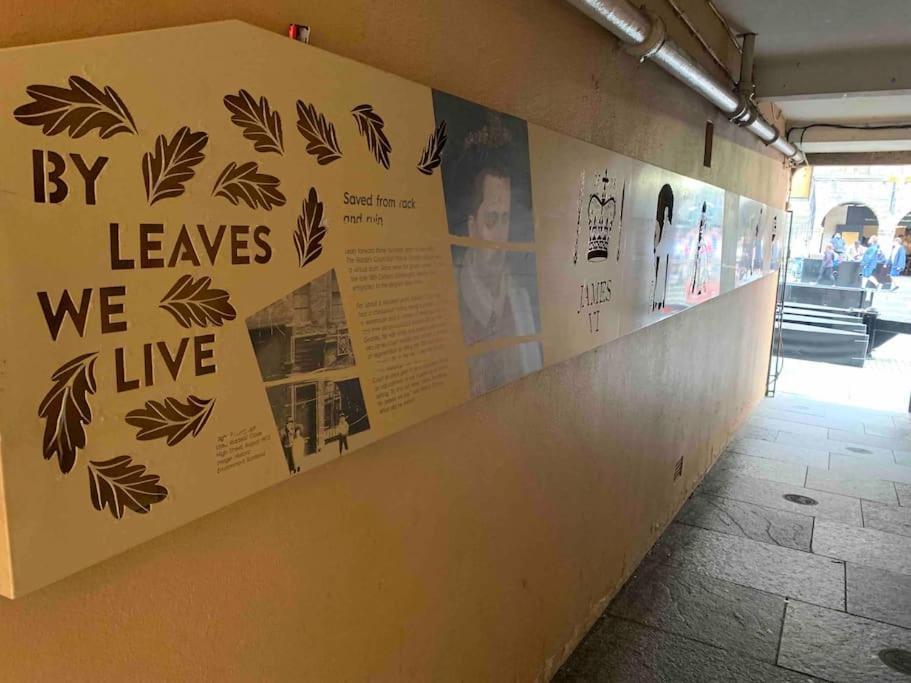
897 259
826 272
873 257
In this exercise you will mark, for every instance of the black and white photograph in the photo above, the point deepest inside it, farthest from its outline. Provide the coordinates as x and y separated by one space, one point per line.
303 332
313 416
305 359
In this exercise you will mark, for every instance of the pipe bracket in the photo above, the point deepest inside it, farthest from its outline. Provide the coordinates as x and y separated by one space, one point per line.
745 114
773 140
654 41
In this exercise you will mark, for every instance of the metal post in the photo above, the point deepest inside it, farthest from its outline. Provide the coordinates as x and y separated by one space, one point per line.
746 85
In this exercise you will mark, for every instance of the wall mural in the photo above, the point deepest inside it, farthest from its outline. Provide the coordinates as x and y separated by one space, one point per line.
214 291
751 240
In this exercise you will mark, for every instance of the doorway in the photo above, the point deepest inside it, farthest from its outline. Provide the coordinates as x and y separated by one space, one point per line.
843 323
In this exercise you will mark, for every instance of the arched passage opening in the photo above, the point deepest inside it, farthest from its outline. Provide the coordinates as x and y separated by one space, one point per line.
855 222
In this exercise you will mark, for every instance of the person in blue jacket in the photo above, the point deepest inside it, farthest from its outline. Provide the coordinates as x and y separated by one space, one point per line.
872 258
897 258
838 244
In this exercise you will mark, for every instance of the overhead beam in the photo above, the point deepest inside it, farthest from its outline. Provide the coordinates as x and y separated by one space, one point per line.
823 139
837 73
860 159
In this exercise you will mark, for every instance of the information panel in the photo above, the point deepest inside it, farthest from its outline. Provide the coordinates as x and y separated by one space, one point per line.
229 258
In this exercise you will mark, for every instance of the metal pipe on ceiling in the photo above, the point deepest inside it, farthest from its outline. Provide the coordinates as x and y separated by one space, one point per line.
646 38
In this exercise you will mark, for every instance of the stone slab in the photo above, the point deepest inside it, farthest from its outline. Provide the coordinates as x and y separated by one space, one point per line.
852 466
863 439
770 568
703 608
786 404
848 484
862 452
879 594
869 547
838 646
889 518
771 494
791 426
814 457
750 431
889 430
847 424
619 651
748 520
760 468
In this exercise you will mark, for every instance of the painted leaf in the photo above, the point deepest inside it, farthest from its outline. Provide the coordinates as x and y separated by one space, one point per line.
66 410
259 123
370 125
171 420
245 183
118 484
319 133
432 154
308 237
78 109
170 165
197 302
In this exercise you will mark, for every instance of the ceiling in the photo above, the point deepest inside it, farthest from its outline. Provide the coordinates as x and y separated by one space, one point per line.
832 61
801 27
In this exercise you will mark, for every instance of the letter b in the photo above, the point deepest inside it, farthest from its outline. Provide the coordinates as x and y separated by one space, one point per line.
46 178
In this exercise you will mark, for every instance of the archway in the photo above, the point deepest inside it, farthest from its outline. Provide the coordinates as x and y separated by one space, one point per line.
903 229
853 221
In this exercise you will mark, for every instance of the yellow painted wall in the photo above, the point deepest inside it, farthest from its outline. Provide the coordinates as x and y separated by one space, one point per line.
481 544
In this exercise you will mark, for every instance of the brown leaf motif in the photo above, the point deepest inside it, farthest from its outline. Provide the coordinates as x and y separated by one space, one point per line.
308 237
196 301
370 125
245 183
66 410
259 123
78 109
170 166
432 154
171 420
118 484
319 133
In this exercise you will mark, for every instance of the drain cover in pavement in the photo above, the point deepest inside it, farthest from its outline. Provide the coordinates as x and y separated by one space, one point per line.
899 660
855 449
800 500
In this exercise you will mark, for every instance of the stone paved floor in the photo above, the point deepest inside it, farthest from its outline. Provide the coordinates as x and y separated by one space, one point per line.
790 562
